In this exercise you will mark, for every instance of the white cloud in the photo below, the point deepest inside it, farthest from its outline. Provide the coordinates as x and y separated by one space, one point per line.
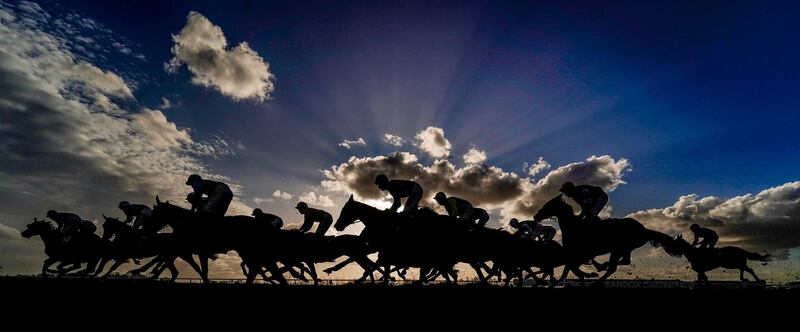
237 72
351 143
262 200
316 200
432 141
474 156
18 254
769 220
536 168
282 195
72 145
394 140
165 104
485 186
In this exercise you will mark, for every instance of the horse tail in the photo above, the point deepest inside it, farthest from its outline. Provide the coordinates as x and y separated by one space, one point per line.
757 257
661 240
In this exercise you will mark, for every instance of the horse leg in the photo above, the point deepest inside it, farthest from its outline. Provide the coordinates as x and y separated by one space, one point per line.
752 273
477 268
454 274
204 268
173 271
45 267
625 259
102 266
339 266
242 265
387 273
612 267
65 270
145 267
424 272
276 274
112 268
366 264
188 258
60 267
600 266
250 275
312 269
565 273
158 270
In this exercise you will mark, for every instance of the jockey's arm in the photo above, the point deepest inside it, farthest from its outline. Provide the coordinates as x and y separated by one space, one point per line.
128 218
696 240
453 210
307 223
396 204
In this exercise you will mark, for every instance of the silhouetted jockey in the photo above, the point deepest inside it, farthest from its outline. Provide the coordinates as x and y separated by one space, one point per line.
313 215
136 213
268 219
524 230
219 195
71 225
456 207
709 236
462 209
478 216
531 229
591 199
399 189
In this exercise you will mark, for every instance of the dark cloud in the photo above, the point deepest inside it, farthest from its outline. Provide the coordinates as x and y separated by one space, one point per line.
767 221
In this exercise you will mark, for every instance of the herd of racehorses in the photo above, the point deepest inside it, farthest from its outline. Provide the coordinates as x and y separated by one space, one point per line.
426 240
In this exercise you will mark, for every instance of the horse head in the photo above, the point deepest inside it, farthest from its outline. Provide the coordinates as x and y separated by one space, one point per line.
555 207
37 227
348 215
111 226
681 242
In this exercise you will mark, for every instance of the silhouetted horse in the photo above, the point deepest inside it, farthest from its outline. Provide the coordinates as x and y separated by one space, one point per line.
519 255
292 248
703 260
193 235
584 240
87 248
426 240
130 243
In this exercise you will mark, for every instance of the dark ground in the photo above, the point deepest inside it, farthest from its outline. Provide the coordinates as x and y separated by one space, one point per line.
326 304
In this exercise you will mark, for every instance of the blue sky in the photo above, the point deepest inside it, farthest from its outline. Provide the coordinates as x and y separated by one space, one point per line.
699 98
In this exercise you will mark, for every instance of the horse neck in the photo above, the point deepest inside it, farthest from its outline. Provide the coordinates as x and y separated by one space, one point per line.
50 237
176 216
689 251
367 214
125 231
566 218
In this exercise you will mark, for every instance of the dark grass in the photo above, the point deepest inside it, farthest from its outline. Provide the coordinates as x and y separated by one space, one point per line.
403 304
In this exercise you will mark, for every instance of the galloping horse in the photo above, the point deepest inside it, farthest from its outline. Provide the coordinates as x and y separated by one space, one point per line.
703 260
130 243
84 249
426 240
292 248
585 240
